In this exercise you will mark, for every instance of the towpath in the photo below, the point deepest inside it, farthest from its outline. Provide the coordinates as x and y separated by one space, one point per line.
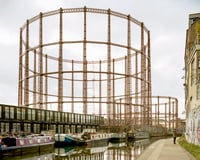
165 149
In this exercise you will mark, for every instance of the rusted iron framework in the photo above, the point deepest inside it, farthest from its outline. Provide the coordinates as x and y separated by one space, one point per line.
89 66
165 111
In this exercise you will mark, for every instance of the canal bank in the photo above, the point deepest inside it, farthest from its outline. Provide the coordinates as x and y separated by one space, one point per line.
165 149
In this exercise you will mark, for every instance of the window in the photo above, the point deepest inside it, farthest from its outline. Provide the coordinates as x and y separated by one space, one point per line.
56 116
42 115
59 117
18 113
47 116
23 113
62 117
6 112
11 112
198 63
51 116
192 72
66 117
38 115
29 114
0 111
69 117
33 115
72 118
198 92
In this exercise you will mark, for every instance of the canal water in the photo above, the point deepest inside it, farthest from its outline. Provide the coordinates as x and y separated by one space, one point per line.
113 151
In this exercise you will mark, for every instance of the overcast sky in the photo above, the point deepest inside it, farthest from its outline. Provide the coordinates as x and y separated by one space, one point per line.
167 21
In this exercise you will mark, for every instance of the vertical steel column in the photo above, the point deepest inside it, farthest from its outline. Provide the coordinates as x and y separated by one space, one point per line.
149 81
85 65
72 107
35 81
125 91
120 111
158 110
100 96
165 115
26 81
113 92
46 82
20 70
117 113
136 110
60 65
155 114
169 113
109 111
129 86
173 115
176 114
143 78
40 63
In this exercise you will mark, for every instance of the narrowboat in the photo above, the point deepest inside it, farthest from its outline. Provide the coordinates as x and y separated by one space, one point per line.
118 138
62 140
95 139
89 137
141 135
26 145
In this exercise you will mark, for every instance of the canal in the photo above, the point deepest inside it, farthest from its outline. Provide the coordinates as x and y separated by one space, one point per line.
113 151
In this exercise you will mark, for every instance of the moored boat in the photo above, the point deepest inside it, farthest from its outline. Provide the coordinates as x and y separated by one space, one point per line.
26 145
95 139
141 135
89 137
62 140
118 137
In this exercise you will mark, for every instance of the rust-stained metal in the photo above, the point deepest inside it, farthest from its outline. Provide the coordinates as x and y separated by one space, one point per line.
46 82
60 64
85 88
109 100
35 80
20 82
149 90
40 89
165 111
120 77
26 70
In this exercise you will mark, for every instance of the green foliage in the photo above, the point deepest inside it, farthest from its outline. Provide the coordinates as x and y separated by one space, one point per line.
191 148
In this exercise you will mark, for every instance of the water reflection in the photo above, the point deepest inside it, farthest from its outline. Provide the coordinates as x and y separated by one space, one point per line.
121 151
49 156
96 153
127 151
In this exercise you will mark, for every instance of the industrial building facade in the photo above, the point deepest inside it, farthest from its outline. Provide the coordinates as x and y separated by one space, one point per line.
192 79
